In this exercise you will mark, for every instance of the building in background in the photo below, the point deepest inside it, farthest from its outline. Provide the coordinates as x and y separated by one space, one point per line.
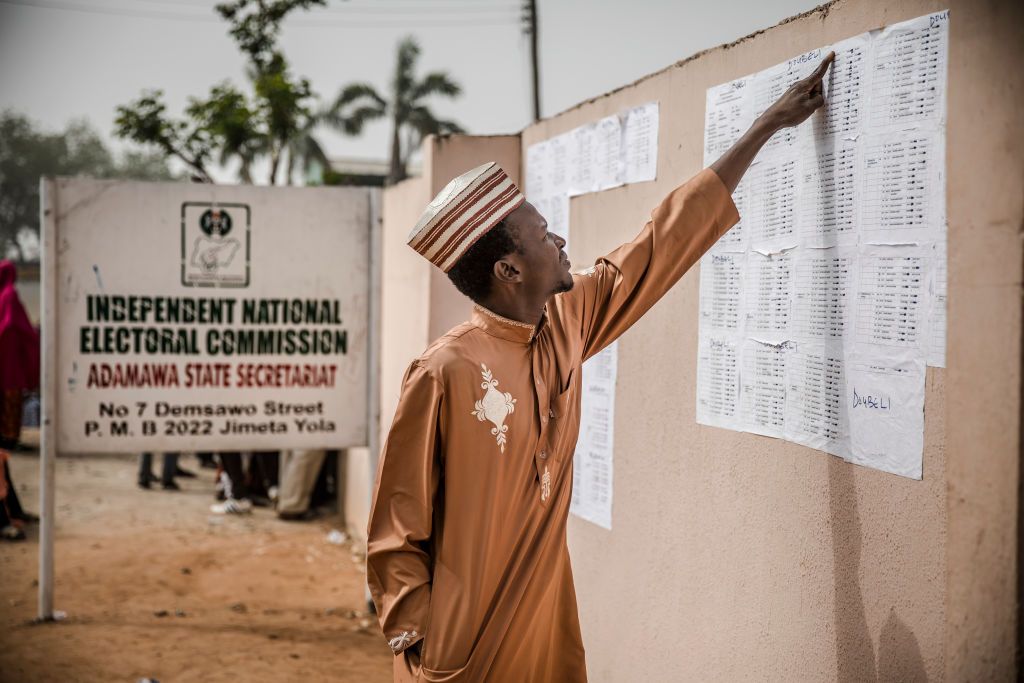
354 171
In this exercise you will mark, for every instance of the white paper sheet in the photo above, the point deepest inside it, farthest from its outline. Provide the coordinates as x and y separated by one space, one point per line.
892 298
582 160
763 386
609 164
823 290
558 151
771 202
819 312
537 172
558 217
826 203
640 137
768 296
728 114
937 319
903 197
721 292
593 462
718 381
909 72
815 415
885 403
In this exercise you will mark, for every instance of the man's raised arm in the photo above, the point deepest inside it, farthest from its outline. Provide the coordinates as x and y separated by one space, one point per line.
623 285
793 108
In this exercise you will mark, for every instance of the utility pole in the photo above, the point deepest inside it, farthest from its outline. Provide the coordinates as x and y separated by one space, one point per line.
530 28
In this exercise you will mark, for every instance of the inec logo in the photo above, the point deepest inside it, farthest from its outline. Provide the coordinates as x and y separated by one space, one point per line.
214 244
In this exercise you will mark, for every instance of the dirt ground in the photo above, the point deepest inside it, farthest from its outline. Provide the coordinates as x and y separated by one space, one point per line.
154 586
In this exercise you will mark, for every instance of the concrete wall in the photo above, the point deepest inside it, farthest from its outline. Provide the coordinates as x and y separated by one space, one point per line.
738 557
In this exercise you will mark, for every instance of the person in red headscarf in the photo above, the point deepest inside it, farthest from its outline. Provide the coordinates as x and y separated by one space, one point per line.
19 356
19 372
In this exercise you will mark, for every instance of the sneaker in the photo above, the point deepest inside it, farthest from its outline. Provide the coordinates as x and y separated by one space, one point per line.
12 533
232 506
272 494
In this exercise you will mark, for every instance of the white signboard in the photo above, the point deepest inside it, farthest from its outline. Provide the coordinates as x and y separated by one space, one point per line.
201 317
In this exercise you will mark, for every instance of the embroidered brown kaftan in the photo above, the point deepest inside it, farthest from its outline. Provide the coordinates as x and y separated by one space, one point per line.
467 548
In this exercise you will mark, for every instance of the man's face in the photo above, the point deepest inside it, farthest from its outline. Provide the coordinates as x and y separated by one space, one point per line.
543 264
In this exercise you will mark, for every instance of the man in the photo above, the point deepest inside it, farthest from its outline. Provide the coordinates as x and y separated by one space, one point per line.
467 559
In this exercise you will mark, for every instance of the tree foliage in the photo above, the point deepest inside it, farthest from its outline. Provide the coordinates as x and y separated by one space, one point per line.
411 118
26 154
276 121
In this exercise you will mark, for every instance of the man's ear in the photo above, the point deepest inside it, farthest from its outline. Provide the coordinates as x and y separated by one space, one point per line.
506 271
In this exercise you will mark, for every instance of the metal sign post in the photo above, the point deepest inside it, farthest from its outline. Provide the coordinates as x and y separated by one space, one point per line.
47 445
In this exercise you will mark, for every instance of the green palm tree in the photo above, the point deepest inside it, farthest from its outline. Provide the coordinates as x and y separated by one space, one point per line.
411 118
304 149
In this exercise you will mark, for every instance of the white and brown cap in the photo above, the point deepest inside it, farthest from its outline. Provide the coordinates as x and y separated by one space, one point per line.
463 212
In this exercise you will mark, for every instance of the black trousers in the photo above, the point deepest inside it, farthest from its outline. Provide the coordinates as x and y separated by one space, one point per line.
10 507
170 466
231 461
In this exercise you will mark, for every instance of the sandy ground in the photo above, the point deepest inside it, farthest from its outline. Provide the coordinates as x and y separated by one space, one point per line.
155 586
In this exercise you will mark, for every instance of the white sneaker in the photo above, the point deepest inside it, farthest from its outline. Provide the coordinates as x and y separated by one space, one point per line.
232 506
272 494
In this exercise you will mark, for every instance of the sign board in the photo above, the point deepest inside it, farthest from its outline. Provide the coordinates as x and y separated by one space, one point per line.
206 317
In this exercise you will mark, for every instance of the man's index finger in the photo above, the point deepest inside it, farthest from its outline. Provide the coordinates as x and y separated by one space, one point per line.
820 71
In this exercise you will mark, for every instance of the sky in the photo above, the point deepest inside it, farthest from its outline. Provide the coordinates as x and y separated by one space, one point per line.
67 59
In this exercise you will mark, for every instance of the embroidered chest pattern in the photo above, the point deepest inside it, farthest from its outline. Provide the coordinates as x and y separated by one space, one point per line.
545 485
495 406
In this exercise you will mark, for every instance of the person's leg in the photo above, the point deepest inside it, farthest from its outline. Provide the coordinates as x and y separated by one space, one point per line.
232 462
326 485
272 461
270 464
237 501
265 468
11 502
297 480
8 531
11 402
145 474
170 468
206 460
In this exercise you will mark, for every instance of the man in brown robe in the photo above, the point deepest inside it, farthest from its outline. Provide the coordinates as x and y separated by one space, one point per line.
467 559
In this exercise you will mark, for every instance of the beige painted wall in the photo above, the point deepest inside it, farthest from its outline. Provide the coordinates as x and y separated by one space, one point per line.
738 557
405 291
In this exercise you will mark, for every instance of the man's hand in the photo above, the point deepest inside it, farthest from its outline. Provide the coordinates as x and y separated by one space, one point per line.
795 105
801 100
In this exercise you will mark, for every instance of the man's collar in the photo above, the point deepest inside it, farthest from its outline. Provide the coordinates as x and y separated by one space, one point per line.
506 328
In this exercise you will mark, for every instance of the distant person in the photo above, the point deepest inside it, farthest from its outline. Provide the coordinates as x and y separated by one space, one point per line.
13 517
19 357
19 373
168 471
299 471
467 559
237 499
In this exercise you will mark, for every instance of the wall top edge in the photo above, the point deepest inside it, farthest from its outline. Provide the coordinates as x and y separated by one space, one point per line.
823 10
